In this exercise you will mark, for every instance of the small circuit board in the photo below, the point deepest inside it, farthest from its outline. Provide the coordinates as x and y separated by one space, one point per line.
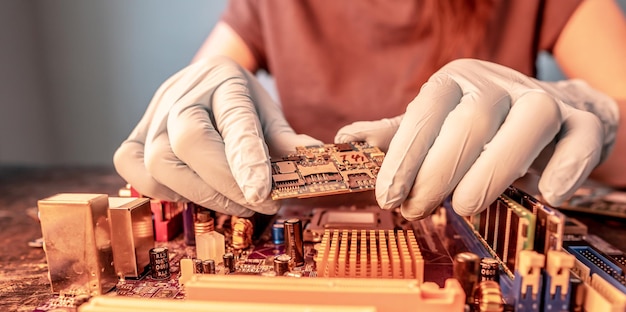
326 170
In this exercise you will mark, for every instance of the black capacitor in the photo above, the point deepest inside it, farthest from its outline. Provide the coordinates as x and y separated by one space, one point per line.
294 245
489 268
208 266
466 267
197 266
281 264
577 291
229 262
159 263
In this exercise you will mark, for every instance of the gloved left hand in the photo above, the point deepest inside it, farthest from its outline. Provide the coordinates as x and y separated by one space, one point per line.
475 127
207 137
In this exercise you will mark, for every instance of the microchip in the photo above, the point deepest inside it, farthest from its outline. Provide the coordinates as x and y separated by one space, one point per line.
343 147
326 170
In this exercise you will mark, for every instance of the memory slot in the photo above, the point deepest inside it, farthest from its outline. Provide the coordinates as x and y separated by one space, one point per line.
480 222
550 223
550 226
520 228
506 228
493 227
501 242
514 241
522 198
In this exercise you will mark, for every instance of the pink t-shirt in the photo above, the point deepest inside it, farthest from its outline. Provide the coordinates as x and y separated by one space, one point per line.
336 62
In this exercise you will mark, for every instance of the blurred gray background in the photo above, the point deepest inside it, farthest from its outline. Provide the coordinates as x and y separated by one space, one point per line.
76 76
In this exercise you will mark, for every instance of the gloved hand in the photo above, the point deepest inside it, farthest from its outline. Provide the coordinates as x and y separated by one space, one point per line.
206 138
475 127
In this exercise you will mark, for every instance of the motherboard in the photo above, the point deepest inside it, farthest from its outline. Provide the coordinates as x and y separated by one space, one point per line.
519 254
374 246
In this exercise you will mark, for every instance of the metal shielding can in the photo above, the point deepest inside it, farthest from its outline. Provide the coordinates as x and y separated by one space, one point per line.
77 242
132 235
294 245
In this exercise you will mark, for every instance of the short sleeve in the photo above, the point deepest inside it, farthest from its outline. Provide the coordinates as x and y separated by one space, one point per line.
555 15
243 17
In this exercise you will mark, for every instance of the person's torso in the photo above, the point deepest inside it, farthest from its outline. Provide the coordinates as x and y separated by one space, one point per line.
339 62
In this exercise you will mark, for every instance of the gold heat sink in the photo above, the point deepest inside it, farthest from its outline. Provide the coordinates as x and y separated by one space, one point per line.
370 254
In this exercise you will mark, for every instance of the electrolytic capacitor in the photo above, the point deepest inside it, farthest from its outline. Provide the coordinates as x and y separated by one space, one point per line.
229 262
577 297
466 266
489 268
208 266
197 266
294 245
281 264
159 263
278 232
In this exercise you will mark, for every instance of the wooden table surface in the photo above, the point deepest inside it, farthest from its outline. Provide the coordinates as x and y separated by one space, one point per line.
23 271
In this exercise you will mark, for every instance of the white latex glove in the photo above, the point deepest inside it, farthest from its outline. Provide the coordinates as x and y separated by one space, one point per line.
206 138
475 127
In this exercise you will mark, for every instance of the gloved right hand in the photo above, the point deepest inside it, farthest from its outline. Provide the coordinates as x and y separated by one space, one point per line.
206 137
475 127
